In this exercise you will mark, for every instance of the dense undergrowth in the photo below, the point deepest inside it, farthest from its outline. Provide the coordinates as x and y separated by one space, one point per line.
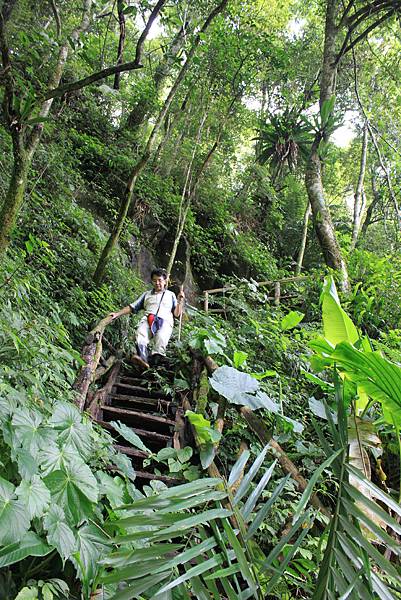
58 499
56 489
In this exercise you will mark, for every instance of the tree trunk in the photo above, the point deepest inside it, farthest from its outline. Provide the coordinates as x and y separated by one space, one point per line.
322 219
369 213
301 252
24 147
143 160
121 41
359 192
14 197
313 176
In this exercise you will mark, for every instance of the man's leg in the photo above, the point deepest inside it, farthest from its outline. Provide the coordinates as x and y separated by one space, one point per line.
161 339
142 342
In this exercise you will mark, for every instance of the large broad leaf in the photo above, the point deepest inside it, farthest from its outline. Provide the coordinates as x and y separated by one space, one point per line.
68 421
14 517
27 465
74 490
92 546
374 375
232 384
291 320
30 545
29 432
112 487
52 457
241 388
59 533
130 436
337 325
35 495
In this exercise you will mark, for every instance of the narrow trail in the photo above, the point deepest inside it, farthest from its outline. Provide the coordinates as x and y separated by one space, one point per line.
136 400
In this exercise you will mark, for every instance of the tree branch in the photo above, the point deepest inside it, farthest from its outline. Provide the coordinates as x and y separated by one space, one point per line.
129 66
56 17
6 76
145 32
379 155
364 34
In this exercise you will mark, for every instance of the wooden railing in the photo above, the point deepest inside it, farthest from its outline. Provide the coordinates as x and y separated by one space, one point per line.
276 285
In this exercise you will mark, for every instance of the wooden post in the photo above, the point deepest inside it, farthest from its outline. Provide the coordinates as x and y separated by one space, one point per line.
277 292
206 302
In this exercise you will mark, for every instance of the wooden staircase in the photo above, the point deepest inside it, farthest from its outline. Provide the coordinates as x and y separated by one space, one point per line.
137 401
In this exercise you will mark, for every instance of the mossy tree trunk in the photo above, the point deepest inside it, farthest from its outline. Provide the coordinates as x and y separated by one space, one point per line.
313 175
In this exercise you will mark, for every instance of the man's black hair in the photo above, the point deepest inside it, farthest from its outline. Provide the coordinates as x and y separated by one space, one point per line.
159 273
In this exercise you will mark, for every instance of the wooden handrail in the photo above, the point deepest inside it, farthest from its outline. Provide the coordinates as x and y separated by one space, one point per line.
231 287
91 353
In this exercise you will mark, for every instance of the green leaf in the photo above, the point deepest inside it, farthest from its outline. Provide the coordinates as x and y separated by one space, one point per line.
28 593
318 409
53 458
337 325
14 518
74 490
198 570
204 432
291 320
30 545
239 358
92 546
185 454
35 495
112 487
232 384
311 484
379 378
29 432
238 469
130 436
59 533
68 421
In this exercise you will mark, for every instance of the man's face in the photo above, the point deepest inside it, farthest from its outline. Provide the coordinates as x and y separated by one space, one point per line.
159 283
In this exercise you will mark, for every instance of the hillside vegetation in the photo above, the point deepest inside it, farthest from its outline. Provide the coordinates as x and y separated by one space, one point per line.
207 138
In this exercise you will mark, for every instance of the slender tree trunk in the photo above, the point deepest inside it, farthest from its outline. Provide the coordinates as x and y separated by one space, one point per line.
14 197
25 146
184 205
313 177
184 209
121 41
143 107
301 252
359 192
143 160
369 213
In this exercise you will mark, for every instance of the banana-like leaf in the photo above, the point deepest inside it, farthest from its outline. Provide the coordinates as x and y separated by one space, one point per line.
337 325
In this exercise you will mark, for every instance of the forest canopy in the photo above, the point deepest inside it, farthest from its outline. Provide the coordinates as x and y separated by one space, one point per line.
248 146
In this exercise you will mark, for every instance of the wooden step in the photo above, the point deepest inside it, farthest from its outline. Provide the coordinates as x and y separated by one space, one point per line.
140 416
151 402
129 451
150 435
138 390
164 478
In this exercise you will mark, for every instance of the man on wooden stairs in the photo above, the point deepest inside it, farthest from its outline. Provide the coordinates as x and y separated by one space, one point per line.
160 306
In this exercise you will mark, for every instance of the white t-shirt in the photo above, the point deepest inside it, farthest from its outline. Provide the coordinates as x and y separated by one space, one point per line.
150 301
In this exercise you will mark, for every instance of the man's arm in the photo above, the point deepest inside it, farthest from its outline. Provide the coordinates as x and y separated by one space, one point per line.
124 311
134 307
178 310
